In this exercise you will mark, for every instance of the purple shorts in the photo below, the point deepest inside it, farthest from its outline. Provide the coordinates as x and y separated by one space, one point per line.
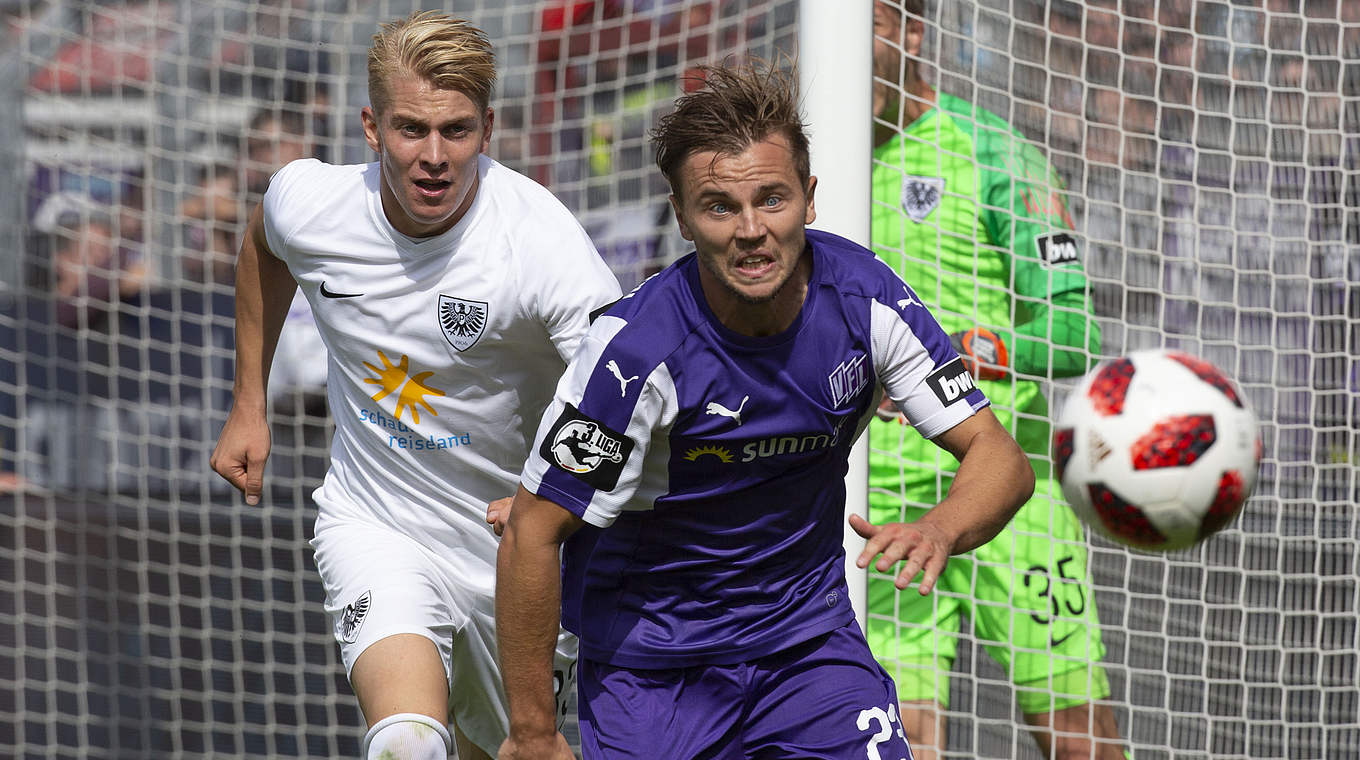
825 698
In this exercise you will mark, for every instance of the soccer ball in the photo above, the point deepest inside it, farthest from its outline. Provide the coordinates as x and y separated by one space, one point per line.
1156 450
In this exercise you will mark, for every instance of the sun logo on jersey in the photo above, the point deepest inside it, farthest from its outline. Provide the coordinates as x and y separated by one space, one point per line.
461 320
411 389
721 453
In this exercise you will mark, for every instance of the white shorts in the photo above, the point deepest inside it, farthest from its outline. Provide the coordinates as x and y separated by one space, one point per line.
380 583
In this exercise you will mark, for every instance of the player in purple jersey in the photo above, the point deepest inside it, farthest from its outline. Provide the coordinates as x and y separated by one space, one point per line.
691 467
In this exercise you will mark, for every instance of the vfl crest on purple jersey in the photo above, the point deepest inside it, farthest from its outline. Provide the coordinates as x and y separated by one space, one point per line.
848 379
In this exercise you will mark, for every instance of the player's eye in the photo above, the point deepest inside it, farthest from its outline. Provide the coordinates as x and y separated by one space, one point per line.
772 201
718 208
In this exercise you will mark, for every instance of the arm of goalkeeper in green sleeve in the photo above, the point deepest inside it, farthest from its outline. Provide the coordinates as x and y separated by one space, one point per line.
1061 338
1056 342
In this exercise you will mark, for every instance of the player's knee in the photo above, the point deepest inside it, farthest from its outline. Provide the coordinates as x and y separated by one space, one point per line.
407 736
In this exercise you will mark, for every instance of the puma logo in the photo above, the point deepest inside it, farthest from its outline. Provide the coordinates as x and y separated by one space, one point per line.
716 408
910 300
613 367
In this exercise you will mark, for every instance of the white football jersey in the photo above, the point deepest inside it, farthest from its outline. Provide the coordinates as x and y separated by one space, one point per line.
444 351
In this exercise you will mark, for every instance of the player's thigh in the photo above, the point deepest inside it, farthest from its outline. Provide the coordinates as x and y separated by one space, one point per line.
915 637
1035 607
824 699
1085 731
380 583
680 713
925 724
401 673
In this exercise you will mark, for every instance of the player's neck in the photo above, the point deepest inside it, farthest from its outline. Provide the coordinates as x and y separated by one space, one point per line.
900 112
760 320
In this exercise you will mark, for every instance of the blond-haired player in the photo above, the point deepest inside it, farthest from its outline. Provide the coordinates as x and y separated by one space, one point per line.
450 292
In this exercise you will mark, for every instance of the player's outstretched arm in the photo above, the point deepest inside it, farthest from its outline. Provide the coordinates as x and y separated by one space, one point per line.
528 605
994 479
264 290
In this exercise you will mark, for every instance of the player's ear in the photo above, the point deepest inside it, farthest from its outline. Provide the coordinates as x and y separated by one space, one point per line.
914 31
680 218
811 214
371 136
488 122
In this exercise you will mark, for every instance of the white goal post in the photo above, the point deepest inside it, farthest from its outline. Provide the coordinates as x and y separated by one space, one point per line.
1209 152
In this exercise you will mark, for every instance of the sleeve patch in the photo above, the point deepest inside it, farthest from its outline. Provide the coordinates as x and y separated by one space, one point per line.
1056 248
950 382
588 449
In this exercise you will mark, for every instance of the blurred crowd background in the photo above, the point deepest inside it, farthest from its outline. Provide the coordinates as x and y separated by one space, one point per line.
1211 154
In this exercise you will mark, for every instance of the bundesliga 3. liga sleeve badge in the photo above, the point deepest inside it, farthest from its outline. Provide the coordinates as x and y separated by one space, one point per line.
586 448
461 320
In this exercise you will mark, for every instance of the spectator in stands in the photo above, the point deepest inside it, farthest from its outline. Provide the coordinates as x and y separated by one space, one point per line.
972 217
606 71
274 137
212 221
92 269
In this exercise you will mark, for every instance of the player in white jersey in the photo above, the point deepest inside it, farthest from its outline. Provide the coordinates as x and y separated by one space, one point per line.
450 293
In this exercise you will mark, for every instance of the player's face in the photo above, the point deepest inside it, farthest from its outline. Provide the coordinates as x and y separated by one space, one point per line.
897 44
887 43
745 214
427 140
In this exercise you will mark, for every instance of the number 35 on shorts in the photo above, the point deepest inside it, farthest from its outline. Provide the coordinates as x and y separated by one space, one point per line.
883 726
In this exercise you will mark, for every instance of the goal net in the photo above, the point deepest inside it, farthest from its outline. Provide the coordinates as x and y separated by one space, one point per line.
1208 157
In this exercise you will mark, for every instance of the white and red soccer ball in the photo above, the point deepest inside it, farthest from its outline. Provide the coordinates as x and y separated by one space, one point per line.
1156 450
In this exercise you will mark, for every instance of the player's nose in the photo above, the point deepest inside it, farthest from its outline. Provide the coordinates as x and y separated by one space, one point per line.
434 156
750 226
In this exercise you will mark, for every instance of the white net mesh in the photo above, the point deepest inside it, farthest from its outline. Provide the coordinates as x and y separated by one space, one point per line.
1209 151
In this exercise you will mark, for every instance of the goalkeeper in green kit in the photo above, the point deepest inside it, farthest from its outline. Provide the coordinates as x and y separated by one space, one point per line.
970 215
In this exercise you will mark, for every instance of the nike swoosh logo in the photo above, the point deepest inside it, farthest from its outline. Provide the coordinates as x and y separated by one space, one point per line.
1053 643
332 294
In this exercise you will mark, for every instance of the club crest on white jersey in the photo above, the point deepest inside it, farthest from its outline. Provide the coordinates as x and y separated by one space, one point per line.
352 618
461 320
921 196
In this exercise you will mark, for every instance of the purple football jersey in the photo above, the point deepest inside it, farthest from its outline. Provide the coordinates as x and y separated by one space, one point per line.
709 465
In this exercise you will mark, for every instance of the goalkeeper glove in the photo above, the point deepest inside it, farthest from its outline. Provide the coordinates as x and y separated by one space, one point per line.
983 352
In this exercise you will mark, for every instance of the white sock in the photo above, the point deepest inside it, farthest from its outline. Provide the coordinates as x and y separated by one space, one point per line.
408 736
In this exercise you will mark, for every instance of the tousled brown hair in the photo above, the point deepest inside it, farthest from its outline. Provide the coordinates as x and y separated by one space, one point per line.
737 107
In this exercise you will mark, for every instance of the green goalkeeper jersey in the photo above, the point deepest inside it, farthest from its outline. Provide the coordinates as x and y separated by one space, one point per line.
972 217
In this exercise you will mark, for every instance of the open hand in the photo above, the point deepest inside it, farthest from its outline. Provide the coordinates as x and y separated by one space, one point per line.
921 547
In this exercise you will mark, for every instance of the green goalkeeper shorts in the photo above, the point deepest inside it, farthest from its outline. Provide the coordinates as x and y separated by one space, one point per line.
1028 594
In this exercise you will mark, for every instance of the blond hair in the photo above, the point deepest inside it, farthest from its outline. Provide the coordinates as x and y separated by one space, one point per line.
450 53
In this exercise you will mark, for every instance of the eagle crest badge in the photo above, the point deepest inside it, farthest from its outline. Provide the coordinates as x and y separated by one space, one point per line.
461 320
921 196
353 617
